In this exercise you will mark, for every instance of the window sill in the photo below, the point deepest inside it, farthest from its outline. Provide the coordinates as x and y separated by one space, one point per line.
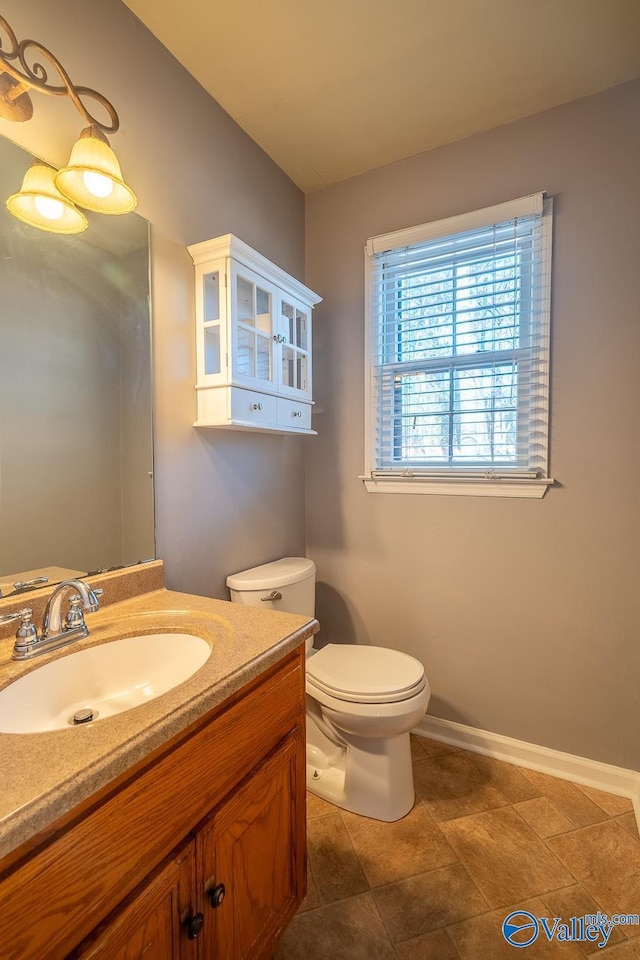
477 487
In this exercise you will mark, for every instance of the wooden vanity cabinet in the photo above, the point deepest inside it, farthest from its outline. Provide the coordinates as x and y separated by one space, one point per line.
247 855
153 921
200 854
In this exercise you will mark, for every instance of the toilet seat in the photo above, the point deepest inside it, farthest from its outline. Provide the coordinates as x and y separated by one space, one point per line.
362 674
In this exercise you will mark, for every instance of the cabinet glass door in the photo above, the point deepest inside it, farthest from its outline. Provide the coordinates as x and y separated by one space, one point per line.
211 322
295 361
252 309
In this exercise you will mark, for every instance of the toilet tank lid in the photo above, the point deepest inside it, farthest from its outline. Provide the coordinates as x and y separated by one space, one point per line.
278 573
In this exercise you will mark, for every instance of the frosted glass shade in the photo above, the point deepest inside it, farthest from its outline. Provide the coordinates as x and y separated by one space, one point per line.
93 178
40 204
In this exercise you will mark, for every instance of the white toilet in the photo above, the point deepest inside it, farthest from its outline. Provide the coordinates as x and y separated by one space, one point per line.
361 701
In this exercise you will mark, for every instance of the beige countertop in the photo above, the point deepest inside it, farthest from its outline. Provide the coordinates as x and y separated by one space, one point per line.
45 775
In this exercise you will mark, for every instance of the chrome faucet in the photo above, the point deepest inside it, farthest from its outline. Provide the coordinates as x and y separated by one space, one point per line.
52 625
56 632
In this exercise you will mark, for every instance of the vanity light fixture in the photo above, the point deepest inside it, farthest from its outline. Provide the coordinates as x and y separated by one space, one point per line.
40 203
92 179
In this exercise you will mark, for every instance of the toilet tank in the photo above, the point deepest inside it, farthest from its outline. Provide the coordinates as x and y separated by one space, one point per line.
294 578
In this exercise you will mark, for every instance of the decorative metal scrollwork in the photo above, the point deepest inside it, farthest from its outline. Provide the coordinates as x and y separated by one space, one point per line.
18 75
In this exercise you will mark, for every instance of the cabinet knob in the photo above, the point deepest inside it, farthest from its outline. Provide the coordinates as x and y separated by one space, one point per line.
296 413
193 925
216 895
256 406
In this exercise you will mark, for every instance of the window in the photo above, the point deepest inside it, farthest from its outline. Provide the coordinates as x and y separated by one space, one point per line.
458 354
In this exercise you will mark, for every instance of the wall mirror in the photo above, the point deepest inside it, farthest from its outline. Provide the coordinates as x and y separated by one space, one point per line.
76 457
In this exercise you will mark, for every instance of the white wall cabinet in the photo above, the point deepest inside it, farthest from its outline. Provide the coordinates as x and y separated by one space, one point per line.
253 341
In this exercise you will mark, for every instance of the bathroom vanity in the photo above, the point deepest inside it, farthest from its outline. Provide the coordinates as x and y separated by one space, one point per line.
175 829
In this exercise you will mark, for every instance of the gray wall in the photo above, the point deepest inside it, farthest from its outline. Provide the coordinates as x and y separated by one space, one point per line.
224 501
525 612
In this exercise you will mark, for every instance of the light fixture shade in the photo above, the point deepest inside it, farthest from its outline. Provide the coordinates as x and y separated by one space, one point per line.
93 178
40 204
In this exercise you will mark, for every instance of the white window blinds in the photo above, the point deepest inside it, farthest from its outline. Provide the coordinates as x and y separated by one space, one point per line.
458 345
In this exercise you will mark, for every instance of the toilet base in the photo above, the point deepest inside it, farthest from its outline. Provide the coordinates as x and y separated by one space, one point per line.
368 776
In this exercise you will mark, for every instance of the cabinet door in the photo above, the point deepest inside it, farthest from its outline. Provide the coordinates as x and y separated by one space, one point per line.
294 360
252 329
155 922
211 323
254 848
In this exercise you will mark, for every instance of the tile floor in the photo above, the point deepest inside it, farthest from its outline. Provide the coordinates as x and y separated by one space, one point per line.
483 838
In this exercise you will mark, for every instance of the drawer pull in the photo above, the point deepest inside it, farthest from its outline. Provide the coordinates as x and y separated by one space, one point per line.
256 406
216 895
194 925
296 413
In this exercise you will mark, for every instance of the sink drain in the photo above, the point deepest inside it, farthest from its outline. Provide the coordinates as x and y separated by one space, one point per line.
85 715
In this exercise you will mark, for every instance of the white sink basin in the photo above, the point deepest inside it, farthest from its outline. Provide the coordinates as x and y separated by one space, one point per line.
105 680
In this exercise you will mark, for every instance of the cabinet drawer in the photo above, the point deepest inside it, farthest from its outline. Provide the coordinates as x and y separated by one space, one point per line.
294 413
249 406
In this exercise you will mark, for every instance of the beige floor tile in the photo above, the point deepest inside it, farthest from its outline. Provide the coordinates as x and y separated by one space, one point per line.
576 902
623 951
543 817
481 938
312 899
335 867
436 908
317 807
508 862
630 824
611 803
606 861
505 776
411 908
433 946
568 799
394 851
418 750
348 930
452 786
435 748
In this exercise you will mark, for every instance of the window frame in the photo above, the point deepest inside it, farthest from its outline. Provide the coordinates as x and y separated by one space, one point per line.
451 479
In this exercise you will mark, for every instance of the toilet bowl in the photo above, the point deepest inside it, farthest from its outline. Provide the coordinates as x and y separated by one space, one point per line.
362 701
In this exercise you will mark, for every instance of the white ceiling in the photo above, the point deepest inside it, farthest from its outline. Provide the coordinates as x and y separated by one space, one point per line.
333 88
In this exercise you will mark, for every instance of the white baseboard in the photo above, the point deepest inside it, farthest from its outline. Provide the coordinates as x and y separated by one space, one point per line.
590 773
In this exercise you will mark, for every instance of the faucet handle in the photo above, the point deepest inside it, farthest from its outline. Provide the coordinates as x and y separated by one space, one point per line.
23 615
75 614
20 585
76 598
26 634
